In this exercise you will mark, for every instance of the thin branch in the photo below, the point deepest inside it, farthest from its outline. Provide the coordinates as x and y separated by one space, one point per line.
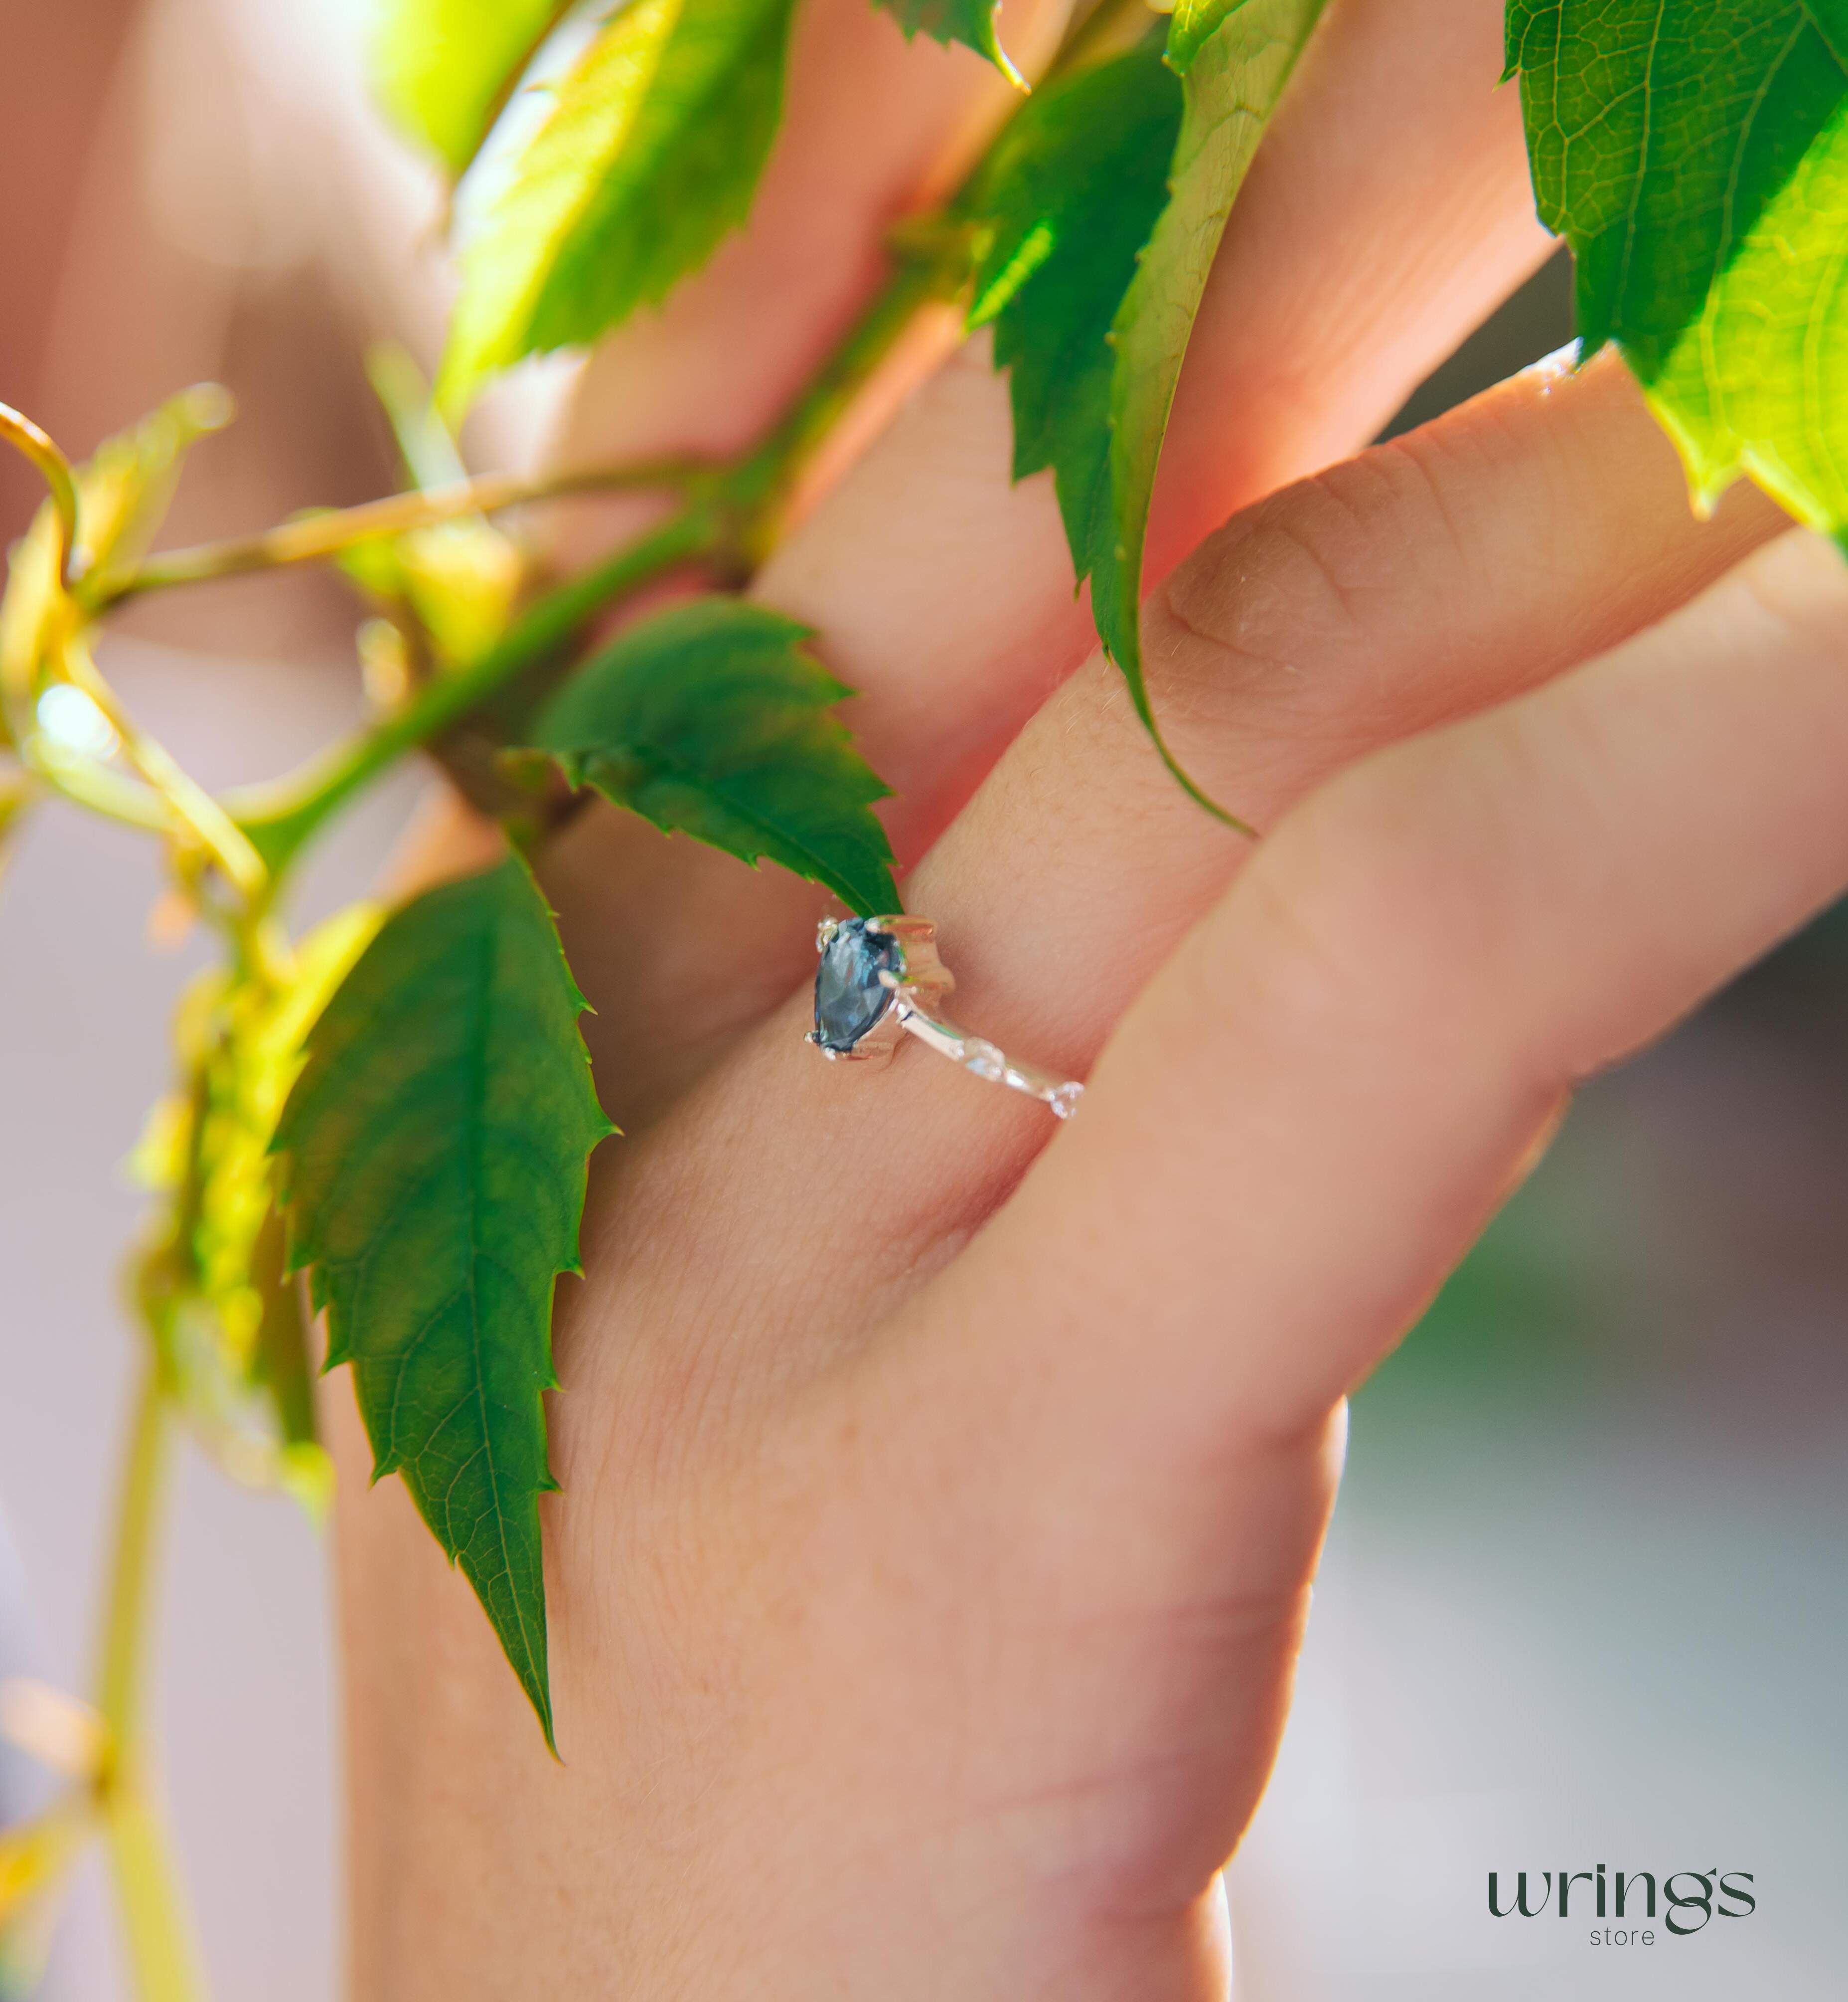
25 438
156 1931
192 806
278 817
98 789
314 537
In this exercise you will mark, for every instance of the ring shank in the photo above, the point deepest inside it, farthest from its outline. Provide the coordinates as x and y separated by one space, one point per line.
975 1054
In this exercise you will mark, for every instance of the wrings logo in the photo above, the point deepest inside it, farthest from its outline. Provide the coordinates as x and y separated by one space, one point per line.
1688 1899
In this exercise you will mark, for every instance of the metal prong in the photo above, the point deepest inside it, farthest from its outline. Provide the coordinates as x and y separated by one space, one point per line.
916 985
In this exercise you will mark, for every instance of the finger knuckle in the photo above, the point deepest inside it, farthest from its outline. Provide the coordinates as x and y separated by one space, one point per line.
1385 901
1282 625
1798 585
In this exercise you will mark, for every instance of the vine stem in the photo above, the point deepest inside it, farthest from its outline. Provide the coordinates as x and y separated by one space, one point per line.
26 438
193 808
318 535
156 1930
277 818
730 516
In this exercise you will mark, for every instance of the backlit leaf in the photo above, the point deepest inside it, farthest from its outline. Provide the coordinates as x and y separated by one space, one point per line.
226 1321
123 494
455 583
1070 195
450 589
651 156
969 21
1696 157
35 1860
1234 57
435 1152
124 490
713 718
17 793
443 68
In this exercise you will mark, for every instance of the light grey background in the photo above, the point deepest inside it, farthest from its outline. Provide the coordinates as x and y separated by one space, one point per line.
246 1705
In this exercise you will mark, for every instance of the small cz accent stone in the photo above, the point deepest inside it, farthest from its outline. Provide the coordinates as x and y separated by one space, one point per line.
849 995
985 1060
1063 1101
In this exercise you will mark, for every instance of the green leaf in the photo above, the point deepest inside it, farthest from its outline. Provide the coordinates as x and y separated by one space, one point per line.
1234 57
651 156
1066 205
435 1152
1696 157
443 68
711 717
970 22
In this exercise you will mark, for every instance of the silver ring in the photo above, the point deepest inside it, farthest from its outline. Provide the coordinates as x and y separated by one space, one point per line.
881 980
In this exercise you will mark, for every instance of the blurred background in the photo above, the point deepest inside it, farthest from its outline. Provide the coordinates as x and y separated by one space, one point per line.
1584 1599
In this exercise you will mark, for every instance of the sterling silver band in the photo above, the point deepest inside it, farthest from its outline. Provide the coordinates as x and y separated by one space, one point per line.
886 981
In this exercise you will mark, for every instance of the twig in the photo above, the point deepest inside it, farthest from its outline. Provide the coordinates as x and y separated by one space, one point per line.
157 1932
315 536
278 817
25 437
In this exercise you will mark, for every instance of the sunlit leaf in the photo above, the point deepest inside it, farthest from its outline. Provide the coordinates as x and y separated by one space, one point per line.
451 589
18 792
435 1152
31 1858
1234 57
651 156
1068 201
969 21
36 1860
124 492
1696 157
458 581
37 616
227 1321
714 718
443 68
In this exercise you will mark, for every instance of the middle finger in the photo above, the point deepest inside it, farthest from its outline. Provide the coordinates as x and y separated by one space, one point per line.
1388 210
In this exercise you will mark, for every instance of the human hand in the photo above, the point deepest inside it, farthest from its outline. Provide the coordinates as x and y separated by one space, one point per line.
942 1489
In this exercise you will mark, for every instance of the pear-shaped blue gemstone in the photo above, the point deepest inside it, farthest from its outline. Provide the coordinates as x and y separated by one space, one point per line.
849 998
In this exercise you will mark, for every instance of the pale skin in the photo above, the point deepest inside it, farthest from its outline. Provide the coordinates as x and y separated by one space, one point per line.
942 1489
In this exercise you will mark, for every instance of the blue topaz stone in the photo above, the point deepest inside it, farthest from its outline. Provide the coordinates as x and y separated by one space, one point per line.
850 998
880 977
